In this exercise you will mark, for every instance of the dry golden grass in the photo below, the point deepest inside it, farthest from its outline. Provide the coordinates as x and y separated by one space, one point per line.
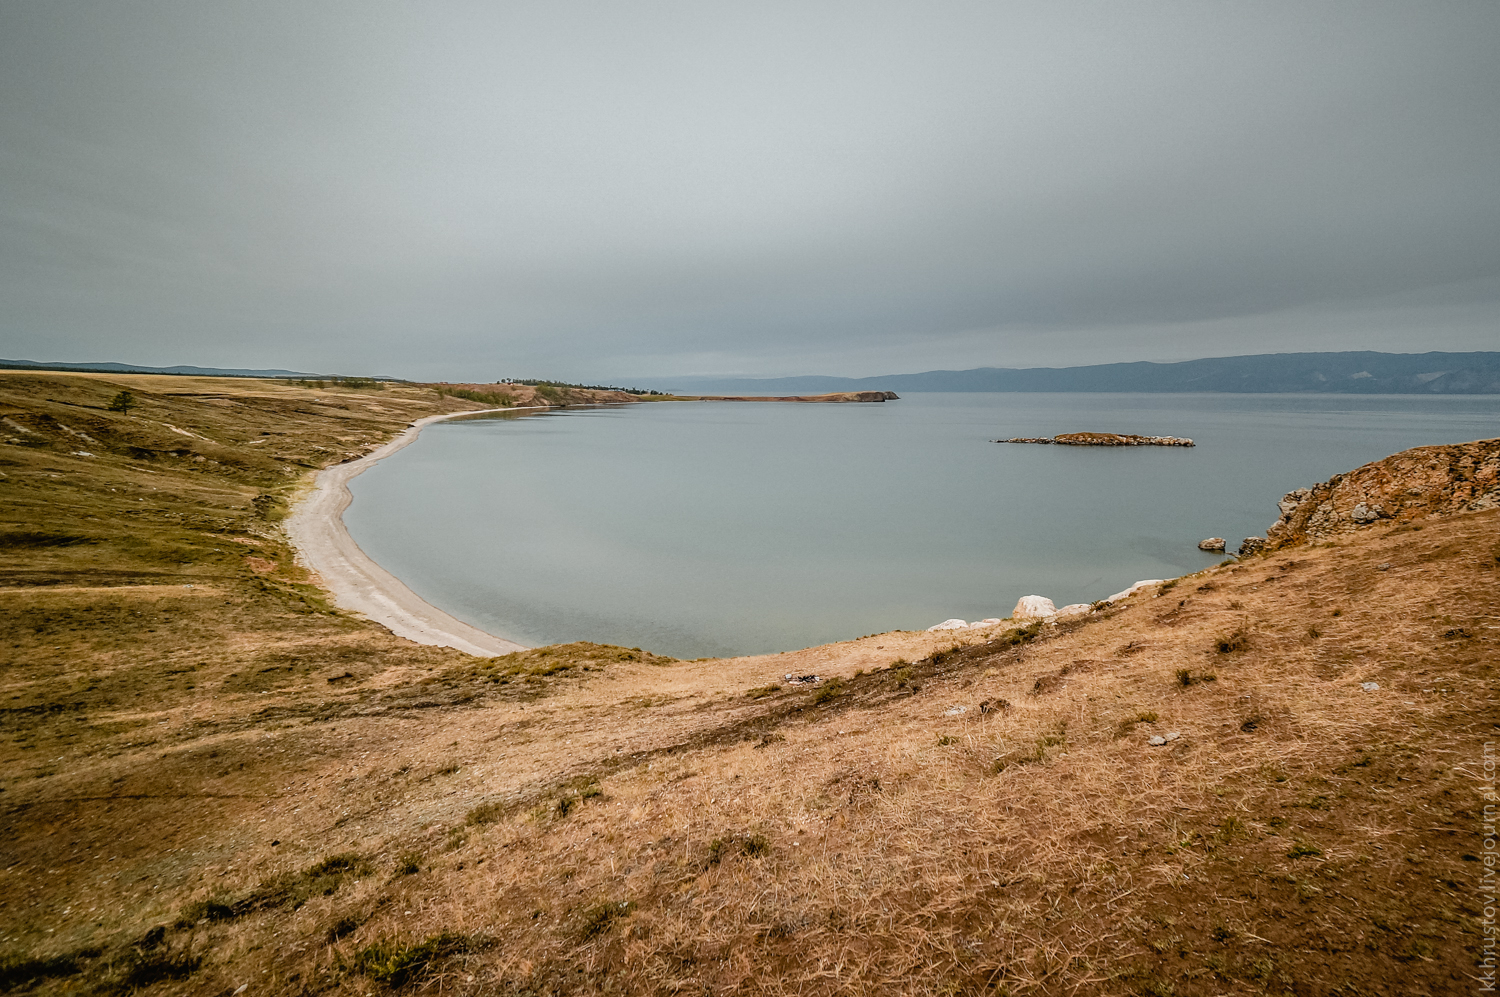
624 825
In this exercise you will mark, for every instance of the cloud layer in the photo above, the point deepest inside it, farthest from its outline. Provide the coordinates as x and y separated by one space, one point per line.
593 190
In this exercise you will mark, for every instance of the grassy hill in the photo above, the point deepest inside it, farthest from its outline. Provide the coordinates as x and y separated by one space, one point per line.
213 781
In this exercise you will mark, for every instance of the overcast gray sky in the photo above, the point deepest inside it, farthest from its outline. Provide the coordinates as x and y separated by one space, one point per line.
608 190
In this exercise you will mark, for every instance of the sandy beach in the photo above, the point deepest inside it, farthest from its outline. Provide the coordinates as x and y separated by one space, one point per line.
356 582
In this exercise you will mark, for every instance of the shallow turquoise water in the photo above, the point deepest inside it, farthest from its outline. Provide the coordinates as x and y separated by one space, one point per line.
720 528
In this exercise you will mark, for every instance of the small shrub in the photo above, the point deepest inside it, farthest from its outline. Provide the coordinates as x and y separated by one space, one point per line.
20 971
829 691
1231 828
1303 849
763 691
145 969
409 864
485 813
754 845
335 864
341 928
152 938
946 740
902 675
268 507
1129 723
1033 755
392 963
599 917
1021 635
1231 642
216 908
749 845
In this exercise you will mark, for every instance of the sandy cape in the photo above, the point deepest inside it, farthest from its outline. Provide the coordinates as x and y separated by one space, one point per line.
356 582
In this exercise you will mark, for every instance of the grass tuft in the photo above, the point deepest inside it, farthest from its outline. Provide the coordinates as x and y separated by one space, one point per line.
1303 849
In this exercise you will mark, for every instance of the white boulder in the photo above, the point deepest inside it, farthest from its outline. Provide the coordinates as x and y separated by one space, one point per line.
1033 607
981 624
949 625
1138 586
1076 609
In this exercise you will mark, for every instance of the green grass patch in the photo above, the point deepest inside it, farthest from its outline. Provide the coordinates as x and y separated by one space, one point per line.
538 664
829 691
397 964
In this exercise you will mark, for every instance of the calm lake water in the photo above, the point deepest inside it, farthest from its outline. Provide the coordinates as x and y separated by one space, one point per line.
718 528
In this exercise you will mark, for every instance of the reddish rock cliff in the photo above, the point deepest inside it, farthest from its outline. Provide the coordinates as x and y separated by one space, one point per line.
1413 484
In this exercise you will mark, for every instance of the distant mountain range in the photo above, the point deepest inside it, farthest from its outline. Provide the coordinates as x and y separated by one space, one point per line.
1362 373
1355 373
126 368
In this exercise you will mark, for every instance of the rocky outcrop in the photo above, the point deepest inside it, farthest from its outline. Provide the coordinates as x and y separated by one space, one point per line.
1105 440
1212 543
1408 486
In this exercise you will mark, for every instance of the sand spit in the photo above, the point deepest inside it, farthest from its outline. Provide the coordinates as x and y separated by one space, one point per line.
356 582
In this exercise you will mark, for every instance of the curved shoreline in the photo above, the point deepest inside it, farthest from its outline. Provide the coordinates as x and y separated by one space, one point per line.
356 583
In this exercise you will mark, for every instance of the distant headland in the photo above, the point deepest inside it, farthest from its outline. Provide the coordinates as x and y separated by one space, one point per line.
1359 373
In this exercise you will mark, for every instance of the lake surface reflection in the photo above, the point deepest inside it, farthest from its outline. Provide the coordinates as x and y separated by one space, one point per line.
718 528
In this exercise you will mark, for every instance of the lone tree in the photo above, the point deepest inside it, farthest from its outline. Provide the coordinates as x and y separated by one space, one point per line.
122 403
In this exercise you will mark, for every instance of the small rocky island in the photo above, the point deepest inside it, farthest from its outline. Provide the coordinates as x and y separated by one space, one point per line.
1105 440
